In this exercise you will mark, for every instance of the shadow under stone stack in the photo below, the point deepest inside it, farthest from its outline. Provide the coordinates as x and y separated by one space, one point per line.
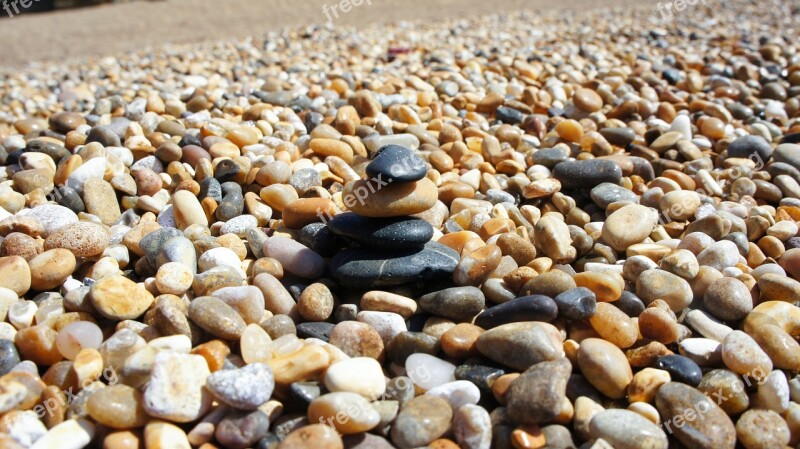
389 246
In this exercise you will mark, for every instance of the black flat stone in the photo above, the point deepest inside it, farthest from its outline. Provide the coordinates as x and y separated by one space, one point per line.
358 268
681 369
320 330
382 233
397 164
319 238
457 303
587 174
576 304
526 308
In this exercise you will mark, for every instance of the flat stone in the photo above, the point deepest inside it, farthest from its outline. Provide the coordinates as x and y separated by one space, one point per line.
458 303
52 217
537 395
526 308
382 233
370 199
397 164
587 174
368 269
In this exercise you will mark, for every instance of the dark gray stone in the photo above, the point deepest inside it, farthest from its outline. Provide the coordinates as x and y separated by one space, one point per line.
576 304
587 174
394 163
753 147
382 233
9 357
526 308
607 193
366 269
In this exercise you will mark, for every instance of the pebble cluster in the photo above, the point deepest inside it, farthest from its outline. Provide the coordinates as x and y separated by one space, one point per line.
553 230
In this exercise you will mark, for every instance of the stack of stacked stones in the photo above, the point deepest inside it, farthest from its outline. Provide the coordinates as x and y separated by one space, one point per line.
391 247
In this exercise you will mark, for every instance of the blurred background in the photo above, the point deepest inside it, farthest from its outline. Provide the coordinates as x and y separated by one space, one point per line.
72 33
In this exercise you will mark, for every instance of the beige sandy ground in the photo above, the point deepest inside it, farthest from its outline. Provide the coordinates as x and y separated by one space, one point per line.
72 35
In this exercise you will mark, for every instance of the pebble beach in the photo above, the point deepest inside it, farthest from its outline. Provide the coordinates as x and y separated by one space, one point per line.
556 228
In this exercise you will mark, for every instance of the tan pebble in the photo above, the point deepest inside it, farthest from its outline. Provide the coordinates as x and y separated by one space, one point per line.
605 367
391 200
315 435
645 384
380 301
15 274
119 298
51 268
614 325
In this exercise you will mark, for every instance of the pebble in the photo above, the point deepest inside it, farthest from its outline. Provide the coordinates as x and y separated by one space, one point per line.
576 304
587 174
361 375
458 303
245 388
371 199
605 367
427 371
83 239
382 233
521 345
119 298
117 406
526 308
681 369
660 284
348 413
422 420
176 391
216 317
728 299
313 435
294 257
369 269
711 427
742 355
458 393
762 429
394 163
537 395
472 427
627 430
